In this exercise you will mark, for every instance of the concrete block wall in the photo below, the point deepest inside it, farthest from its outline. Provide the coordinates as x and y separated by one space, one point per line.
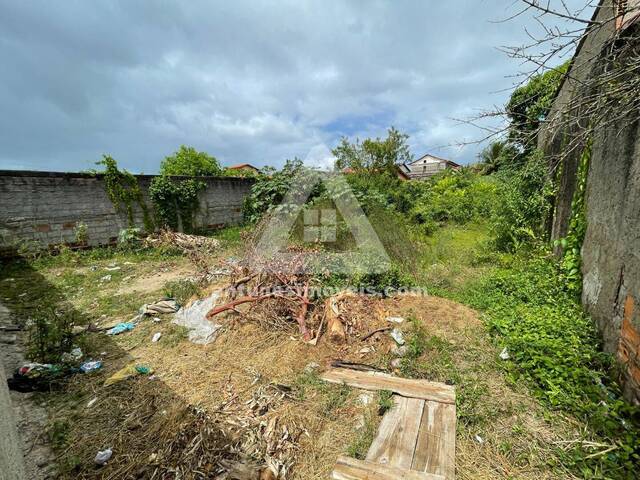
44 207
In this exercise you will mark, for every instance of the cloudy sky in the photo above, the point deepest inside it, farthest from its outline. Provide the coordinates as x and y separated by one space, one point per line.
246 81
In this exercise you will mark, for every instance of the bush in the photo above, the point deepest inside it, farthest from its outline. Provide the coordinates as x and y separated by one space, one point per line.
188 161
459 197
554 346
526 196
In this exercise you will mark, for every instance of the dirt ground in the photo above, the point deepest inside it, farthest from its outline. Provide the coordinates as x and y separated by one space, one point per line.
253 395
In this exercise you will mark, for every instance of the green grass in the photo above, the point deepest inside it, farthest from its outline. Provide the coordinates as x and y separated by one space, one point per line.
181 290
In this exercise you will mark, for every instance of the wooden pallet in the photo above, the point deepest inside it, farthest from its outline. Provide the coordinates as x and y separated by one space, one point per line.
416 438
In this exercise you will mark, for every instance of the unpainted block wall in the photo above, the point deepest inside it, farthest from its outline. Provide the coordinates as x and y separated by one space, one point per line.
45 207
611 249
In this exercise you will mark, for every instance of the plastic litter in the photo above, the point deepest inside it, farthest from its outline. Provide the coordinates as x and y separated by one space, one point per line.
129 371
121 327
479 439
400 351
91 366
398 336
166 305
32 377
106 278
156 337
72 356
504 355
91 402
395 319
201 331
103 456
112 269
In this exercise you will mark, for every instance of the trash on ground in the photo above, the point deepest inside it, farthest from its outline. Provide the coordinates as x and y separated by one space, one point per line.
106 278
129 371
311 367
395 319
479 439
201 331
112 269
159 307
91 366
91 402
121 327
72 356
504 355
365 399
35 377
156 337
103 456
400 351
398 336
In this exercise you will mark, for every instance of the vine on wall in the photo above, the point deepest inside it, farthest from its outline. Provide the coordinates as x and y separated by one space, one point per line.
176 201
124 191
572 243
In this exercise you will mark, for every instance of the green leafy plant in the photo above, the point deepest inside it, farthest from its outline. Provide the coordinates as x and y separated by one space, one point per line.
81 233
176 201
571 245
124 191
526 201
374 155
554 347
530 104
188 161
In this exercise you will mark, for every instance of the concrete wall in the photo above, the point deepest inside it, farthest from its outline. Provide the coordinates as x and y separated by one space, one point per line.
611 249
610 252
44 207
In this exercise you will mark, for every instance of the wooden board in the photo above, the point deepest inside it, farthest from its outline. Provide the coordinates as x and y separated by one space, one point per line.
432 391
351 469
395 444
435 450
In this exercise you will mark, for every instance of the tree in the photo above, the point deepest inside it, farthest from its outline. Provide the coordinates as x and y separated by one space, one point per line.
530 104
188 161
380 155
496 156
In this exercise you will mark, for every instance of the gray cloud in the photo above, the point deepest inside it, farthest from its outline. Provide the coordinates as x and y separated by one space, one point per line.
246 81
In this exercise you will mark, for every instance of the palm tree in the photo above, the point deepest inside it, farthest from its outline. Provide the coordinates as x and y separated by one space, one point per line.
492 157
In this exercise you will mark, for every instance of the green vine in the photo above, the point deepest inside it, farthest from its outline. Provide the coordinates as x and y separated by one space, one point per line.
176 201
572 243
123 190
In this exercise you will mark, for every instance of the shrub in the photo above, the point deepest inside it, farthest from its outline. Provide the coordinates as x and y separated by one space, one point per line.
526 195
554 347
190 162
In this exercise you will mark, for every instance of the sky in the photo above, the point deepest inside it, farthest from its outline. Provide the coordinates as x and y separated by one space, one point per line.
246 81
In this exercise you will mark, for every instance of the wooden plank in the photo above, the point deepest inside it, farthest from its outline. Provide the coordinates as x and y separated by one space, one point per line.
438 392
395 443
436 447
351 469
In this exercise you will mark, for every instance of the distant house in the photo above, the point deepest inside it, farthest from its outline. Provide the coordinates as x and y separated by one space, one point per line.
427 166
244 166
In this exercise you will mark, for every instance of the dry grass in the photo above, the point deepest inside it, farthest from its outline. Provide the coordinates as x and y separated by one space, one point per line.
517 437
140 417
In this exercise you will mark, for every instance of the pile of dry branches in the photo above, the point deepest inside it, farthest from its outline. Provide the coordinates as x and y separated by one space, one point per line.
287 289
197 248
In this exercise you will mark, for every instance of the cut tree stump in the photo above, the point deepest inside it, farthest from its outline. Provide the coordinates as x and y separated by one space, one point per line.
416 439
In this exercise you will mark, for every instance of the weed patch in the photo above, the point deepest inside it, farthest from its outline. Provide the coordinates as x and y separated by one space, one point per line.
553 346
